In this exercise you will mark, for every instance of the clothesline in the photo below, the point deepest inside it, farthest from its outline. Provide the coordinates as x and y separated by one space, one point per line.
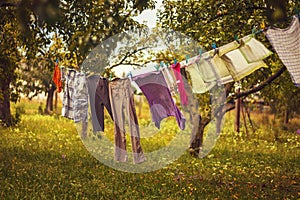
228 63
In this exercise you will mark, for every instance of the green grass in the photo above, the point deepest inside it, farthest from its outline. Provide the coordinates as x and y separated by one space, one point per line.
44 158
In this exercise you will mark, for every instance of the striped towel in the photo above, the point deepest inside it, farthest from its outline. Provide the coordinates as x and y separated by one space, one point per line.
286 43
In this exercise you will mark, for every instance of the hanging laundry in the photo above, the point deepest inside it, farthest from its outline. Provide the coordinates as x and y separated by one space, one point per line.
80 98
253 50
75 98
236 61
223 74
161 102
81 102
170 79
180 84
228 47
122 99
206 70
57 78
68 97
99 98
197 83
286 43
238 65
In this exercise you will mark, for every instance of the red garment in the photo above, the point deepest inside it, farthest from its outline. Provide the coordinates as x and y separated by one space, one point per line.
180 84
57 78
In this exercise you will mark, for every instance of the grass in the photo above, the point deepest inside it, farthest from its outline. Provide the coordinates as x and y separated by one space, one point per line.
43 157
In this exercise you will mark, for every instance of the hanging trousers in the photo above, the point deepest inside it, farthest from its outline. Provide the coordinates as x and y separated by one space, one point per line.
122 102
99 98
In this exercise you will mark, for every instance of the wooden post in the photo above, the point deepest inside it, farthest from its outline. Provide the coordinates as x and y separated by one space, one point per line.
249 118
244 119
238 113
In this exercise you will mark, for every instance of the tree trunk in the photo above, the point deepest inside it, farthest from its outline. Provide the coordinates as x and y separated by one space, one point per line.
286 116
55 100
5 114
197 139
49 102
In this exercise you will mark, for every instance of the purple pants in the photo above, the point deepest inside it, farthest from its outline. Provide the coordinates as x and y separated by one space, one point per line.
154 87
99 98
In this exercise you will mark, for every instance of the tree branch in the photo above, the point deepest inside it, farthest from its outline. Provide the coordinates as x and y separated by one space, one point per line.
127 55
252 8
261 86
6 4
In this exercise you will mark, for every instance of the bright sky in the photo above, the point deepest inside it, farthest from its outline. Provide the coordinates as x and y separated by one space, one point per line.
148 17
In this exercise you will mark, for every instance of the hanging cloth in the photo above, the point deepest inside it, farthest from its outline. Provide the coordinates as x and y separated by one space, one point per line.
68 97
80 98
238 65
236 59
122 100
198 85
253 50
286 43
99 98
180 84
81 102
155 89
57 78
170 79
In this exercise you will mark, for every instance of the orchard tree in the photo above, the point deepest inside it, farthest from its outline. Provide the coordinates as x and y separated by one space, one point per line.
29 24
219 22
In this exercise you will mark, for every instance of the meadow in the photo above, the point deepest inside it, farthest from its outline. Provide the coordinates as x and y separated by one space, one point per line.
43 157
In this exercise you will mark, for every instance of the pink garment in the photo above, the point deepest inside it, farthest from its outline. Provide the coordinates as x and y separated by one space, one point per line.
180 84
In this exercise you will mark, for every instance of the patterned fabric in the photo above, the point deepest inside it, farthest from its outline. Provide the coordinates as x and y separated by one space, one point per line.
57 78
286 43
80 98
68 98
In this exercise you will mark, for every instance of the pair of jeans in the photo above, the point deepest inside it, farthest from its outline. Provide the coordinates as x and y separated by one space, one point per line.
99 98
122 102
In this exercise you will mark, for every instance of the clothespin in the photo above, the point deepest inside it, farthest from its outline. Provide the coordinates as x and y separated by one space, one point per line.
56 60
110 76
200 52
156 67
161 64
254 30
296 10
167 64
175 61
236 38
263 26
214 46
129 75
187 57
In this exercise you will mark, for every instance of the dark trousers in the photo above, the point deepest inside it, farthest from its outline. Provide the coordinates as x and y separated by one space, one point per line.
99 98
